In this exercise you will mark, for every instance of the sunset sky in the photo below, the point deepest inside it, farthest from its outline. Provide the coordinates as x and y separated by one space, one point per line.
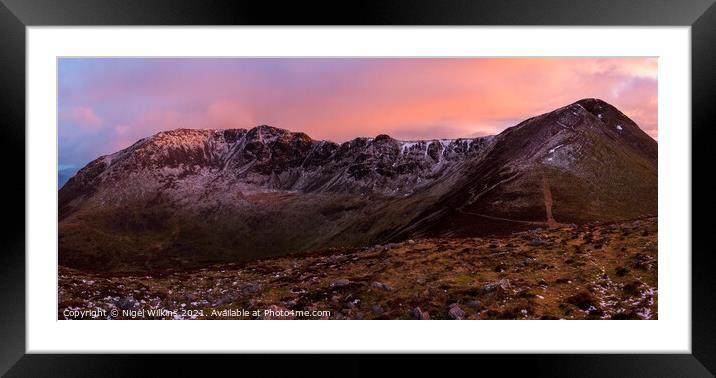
108 104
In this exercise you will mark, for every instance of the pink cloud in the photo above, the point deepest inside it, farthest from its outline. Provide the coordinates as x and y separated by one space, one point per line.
83 117
228 115
339 99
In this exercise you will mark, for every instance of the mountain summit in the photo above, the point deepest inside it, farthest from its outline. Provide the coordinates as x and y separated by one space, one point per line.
191 196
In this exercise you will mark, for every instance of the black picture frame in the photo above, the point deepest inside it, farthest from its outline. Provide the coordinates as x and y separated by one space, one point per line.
16 15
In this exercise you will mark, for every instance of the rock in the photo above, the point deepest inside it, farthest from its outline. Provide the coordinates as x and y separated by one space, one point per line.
411 241
250 288
456 312
228 297
336 299
474 304
595 311
341 283
382 286
537 242
502 284
126 303
377 309
420 314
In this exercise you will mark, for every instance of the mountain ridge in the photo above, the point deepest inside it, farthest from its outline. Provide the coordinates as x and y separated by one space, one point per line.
189 195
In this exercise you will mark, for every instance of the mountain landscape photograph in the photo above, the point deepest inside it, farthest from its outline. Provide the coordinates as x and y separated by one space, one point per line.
357 188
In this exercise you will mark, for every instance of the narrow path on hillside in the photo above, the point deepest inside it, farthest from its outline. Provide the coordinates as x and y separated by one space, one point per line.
500 218
548 202
551 222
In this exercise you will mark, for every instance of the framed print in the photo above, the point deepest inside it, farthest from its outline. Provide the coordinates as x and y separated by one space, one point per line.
466 178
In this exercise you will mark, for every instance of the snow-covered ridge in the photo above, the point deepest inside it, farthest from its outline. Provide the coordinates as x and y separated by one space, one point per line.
264 159
224 143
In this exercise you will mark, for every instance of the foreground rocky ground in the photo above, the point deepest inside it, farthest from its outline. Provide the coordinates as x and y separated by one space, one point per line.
606 271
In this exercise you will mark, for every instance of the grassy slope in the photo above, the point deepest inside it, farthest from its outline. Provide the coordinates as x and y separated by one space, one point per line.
139 238
590 272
